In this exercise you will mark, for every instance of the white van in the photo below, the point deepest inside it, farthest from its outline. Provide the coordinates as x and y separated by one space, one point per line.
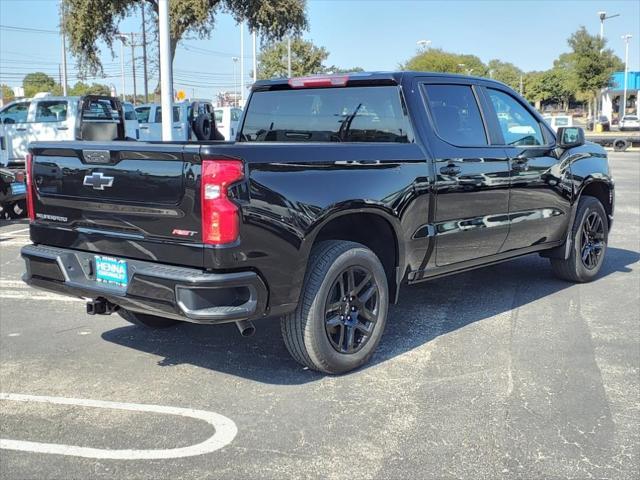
227 119
131 125
556 121
192 120
49 118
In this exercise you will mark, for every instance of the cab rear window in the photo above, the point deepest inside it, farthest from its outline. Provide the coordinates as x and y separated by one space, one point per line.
352 114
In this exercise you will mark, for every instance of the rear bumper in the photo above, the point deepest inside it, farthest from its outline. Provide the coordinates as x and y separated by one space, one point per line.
174 292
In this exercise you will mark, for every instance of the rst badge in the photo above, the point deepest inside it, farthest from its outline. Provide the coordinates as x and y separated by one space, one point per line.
183 233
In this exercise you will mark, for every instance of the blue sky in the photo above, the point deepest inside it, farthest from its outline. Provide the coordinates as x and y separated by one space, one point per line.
372 34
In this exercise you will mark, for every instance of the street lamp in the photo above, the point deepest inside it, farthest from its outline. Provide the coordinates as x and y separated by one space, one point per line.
235 81
603 16
626 39
423 44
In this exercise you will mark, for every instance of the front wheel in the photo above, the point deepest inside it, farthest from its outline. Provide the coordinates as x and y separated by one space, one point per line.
342 309
589 243
146 320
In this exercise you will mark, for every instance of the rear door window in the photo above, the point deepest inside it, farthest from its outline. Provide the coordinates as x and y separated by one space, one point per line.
176 114
456 114
51 111
519 127
143 114
99 110
349 114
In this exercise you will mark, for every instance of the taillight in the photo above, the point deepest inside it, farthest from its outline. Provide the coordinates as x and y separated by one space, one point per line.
220 216
30 189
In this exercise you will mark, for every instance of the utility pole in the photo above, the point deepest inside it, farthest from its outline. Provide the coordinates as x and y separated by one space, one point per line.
289 56
255 59
64 52
626 39
166 75
144 54
133 67
122 40
242 63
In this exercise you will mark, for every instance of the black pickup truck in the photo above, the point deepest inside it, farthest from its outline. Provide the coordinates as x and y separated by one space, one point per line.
337 190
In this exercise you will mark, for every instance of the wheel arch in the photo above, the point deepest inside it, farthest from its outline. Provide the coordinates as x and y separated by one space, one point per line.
372 227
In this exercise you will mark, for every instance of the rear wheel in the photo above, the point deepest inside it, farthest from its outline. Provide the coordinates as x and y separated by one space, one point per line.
589 234
146 320
342 309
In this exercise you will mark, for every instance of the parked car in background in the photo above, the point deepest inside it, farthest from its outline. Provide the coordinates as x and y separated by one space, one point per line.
192 120
556 121
12 193
338 190
49 118
227 121
629 122
131 125
601 120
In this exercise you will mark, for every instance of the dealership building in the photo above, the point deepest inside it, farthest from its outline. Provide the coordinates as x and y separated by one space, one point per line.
612 97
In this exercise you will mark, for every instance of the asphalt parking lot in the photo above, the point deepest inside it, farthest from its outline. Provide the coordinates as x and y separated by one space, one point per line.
503 372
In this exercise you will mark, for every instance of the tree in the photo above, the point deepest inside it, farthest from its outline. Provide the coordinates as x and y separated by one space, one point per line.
505 72
334 69
437 60
81 88
89 22
37 82
552 85
306 59
591 62
6 92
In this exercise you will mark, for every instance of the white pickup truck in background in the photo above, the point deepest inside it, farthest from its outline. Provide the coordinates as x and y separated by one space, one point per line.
50 118
192 120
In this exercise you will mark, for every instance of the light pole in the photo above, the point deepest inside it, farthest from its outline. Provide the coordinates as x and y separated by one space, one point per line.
122 39
626 39
603 16
242 63
423 44
235 81
166 73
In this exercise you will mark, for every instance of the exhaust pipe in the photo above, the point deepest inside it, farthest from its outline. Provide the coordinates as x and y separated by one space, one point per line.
246 328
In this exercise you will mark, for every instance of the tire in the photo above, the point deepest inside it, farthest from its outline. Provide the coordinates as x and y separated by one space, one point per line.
146 320
575 269
17 209
620 145
327 333
202 127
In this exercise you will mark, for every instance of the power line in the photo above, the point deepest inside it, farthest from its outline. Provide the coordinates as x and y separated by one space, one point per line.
13 28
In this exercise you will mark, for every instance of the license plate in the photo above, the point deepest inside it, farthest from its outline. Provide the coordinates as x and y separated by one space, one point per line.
111 270
18 188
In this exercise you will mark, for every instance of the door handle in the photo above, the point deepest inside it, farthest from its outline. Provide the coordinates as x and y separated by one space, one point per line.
520 164
21 129
450 170
144 128
62 128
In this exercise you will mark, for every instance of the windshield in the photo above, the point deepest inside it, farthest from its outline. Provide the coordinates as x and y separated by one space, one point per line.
352 114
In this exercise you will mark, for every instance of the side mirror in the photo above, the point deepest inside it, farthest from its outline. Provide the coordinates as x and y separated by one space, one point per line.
569 137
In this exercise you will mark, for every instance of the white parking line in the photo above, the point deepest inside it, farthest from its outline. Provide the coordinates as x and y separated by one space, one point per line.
225 431
13 232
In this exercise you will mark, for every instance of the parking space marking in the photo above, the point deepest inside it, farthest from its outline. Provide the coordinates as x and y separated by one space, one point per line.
13 232
225 431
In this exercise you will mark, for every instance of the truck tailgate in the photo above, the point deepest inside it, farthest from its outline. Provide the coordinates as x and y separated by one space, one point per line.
126 199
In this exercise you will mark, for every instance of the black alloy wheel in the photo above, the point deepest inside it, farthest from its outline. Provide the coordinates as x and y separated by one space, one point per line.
592 240
351 309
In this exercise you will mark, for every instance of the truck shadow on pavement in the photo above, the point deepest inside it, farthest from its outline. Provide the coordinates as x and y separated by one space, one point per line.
425 312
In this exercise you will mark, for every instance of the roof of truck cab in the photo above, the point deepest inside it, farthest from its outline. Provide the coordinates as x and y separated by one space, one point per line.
374 77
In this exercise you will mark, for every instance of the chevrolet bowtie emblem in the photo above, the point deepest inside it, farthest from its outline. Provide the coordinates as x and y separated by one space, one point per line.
97 181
